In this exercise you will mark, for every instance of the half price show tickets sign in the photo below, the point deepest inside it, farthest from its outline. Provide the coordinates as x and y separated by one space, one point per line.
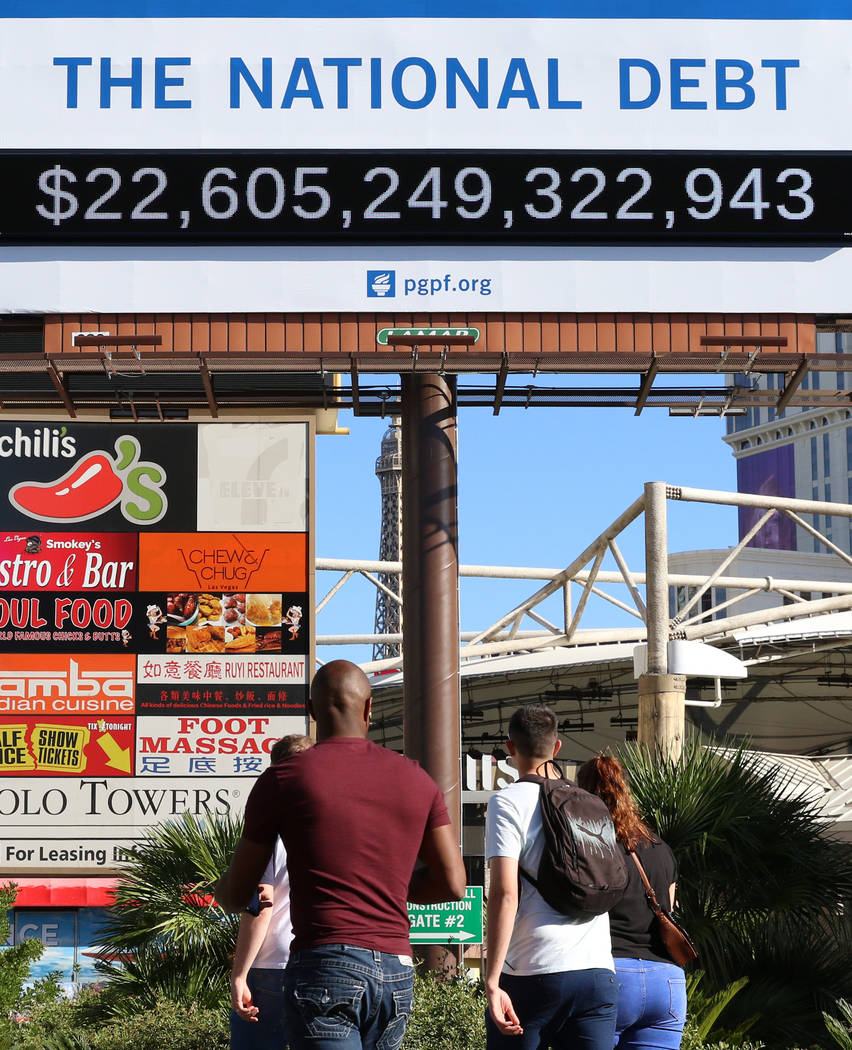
135 649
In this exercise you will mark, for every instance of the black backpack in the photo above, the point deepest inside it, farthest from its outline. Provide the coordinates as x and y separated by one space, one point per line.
583 871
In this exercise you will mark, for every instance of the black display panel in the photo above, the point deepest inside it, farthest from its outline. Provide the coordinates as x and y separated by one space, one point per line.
424 197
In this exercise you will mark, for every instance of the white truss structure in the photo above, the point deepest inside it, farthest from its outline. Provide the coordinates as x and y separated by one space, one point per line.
525 629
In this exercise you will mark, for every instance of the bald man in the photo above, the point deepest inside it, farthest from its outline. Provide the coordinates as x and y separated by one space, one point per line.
354 819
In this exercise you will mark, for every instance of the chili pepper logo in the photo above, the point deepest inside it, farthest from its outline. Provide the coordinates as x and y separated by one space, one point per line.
95 484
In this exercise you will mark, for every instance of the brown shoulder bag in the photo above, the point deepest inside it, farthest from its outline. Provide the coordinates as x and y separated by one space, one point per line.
674 937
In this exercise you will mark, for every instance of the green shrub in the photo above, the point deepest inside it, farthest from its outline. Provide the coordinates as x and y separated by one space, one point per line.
15 963
78 1025
447 1015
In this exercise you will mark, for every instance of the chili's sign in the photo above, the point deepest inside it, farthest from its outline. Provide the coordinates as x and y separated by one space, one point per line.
141 477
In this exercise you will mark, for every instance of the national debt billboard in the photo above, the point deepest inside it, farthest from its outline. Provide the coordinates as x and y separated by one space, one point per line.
198 155
155 621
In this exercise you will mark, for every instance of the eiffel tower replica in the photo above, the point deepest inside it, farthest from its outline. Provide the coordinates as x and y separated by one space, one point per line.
389 473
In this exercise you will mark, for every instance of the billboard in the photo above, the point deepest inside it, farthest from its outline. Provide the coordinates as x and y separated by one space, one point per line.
155 627
768 473
514 157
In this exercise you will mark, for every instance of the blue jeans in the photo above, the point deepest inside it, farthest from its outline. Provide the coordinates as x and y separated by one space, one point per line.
651 1005
573 1010
268 1031
337 997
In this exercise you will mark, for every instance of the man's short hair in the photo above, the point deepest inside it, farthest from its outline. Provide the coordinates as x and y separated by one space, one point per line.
533 731
289 745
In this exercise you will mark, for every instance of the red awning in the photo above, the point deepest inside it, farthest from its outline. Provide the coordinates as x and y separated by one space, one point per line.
64 893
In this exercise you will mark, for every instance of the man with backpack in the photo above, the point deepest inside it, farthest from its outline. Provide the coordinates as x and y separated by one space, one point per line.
555 871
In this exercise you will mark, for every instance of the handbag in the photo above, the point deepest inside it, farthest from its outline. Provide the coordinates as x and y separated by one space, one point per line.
675 938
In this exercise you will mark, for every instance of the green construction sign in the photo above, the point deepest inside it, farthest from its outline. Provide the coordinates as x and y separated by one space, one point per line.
450 921
428 333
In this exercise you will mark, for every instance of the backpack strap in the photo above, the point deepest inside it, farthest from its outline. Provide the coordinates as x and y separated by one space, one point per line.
530 778
534 778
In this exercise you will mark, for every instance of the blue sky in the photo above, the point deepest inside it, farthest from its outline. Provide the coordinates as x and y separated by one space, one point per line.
535 488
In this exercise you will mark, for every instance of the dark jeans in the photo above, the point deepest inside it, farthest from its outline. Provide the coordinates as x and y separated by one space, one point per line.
573 1010
651 1005
337 997
267 1032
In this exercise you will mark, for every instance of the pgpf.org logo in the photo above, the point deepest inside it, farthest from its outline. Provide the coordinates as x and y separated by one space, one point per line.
381 284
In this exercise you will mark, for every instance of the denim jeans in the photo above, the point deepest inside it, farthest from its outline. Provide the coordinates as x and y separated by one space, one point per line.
573 1010
337 997
651 1005
268 1031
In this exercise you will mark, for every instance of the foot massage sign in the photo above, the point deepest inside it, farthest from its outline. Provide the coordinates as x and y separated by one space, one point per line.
147 665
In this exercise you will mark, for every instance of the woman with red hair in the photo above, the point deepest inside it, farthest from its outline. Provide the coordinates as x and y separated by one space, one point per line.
651 988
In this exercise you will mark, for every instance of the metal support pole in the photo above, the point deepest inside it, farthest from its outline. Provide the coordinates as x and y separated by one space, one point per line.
661 695
430 587
431 726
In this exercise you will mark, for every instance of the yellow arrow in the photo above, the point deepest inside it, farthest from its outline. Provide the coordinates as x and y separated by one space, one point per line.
117 757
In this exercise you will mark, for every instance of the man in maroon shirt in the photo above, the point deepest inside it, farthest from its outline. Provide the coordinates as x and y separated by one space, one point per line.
354 819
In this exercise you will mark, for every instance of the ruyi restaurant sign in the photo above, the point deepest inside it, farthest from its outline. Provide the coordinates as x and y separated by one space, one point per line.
136 650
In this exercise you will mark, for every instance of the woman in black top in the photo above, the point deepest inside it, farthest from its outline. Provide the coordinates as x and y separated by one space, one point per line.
651 988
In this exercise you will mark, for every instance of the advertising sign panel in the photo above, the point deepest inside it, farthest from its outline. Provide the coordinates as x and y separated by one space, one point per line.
466 140
55 561
137 648
83 823
450 922
769 473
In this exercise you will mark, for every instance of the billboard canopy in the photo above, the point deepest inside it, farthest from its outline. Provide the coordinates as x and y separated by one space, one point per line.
220 363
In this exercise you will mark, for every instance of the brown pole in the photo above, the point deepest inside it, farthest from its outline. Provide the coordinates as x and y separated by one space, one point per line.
430 598
430 601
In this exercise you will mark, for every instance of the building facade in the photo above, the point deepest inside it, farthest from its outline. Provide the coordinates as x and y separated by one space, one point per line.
800 452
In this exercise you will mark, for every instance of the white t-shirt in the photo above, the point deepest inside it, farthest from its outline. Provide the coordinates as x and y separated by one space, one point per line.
275 950
543 940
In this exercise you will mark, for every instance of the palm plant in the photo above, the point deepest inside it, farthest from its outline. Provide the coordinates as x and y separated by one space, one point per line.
164 937
840 1028
761 887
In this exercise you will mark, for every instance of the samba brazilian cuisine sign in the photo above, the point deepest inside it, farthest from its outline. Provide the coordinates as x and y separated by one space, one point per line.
133 645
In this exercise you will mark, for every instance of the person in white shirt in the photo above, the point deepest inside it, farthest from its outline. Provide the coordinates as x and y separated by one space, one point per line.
551 979
263 945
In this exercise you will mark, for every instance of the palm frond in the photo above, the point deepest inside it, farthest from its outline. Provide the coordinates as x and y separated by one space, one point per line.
762 888
164 935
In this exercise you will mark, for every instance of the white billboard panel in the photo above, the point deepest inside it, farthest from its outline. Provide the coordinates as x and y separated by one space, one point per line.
418 83
210 745
80 825
560 142
683 279
252 478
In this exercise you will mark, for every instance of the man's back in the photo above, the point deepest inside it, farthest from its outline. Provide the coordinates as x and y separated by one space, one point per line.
352 816
550 978
543 940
